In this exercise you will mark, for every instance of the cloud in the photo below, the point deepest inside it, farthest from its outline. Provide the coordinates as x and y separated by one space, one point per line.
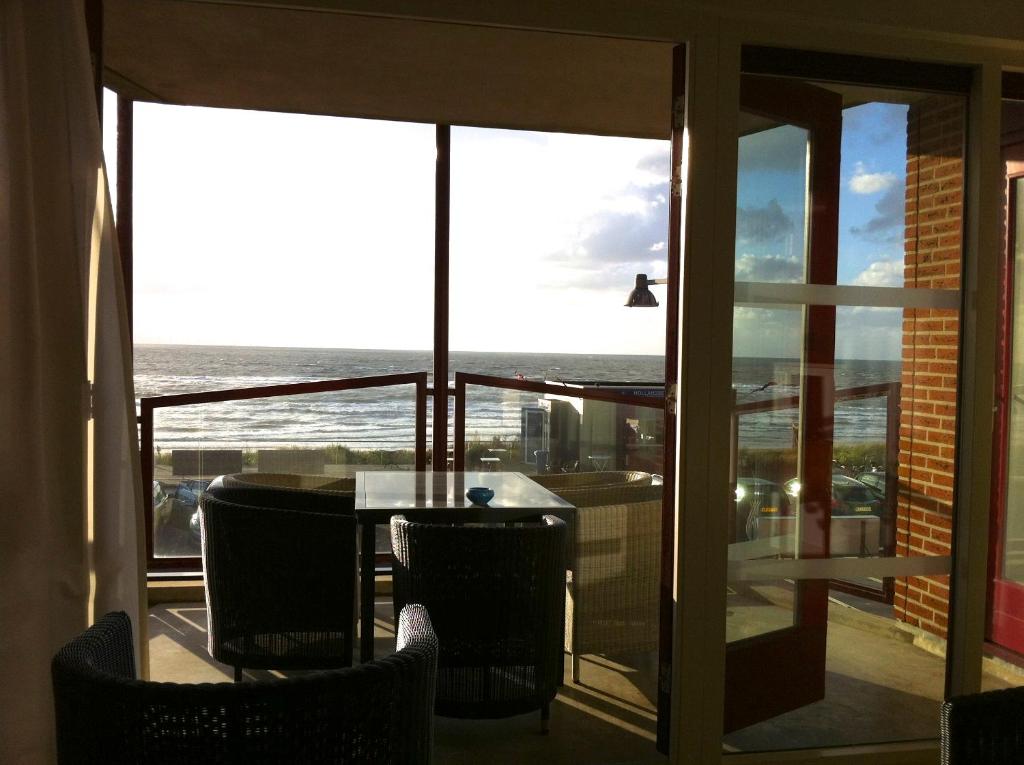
656 163
782 148
632 229
887 224
869 333
762 224
768 268
887 272
864 182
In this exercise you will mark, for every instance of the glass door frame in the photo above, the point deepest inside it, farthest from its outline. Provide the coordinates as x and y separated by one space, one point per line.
1006 596
705 361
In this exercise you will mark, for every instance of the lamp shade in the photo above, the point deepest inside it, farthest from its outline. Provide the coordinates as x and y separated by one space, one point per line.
641 296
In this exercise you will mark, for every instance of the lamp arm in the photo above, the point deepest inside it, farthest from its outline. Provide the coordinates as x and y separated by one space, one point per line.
657 281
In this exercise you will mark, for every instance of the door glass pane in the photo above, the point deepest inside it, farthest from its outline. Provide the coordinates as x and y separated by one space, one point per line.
1013 537
1003 661
771 199
844 421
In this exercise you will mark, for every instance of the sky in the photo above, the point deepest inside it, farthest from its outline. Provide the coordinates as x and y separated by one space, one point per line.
771 221
258 228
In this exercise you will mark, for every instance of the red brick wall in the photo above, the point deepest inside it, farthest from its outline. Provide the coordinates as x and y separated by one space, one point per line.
932 250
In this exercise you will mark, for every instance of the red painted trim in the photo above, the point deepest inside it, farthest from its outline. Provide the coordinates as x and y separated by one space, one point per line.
1003 628
590 394
668 497
845 394
288 389
442 226
459 462
125 200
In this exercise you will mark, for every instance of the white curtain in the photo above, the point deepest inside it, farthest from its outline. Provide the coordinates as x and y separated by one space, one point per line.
70 489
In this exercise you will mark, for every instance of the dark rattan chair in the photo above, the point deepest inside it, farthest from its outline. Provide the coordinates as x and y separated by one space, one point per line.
378 712
496 597
280 570
983 728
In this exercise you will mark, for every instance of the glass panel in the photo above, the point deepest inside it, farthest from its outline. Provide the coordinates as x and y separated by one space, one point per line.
606 460
771 198
1003 662
545 434
844 430
318 440
1013 537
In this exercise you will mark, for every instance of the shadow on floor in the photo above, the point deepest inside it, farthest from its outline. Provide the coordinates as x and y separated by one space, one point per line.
609 718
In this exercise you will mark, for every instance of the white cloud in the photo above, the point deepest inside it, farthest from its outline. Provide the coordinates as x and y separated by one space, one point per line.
768 268
881 273
864 182
657 247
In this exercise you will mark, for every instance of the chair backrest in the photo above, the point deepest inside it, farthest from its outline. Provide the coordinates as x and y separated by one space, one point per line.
380 711
280 581
557 481
595 496
496 596
983 728
287 491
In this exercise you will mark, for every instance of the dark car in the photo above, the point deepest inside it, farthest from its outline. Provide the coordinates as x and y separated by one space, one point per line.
849 496
757 498
173 508
874 480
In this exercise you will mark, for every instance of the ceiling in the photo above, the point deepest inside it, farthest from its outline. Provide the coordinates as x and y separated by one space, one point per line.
325 62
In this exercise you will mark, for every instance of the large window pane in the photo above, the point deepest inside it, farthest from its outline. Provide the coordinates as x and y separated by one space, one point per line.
844 420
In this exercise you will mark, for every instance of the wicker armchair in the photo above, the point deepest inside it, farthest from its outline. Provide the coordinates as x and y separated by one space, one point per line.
496 597
612 598
983 728
557 481
280 573
321 483
378 712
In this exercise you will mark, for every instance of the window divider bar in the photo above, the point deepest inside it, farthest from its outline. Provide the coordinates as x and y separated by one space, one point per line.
769 293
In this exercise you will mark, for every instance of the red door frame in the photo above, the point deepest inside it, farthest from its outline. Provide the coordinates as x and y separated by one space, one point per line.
776 672
1005 598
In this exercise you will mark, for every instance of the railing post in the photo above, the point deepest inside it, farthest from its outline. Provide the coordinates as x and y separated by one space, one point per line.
892 464
734 461
146 456
460 422
421 421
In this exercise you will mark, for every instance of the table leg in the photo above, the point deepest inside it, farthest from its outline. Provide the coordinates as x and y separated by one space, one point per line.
367 569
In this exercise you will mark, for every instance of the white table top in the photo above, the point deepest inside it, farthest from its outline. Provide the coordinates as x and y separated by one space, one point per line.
405 489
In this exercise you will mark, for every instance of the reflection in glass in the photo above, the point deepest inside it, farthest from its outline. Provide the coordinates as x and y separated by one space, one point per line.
771 212
1013 535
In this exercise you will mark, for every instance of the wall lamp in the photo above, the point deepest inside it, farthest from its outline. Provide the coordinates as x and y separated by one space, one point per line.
641 297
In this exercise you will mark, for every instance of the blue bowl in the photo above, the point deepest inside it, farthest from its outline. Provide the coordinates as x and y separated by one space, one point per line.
479 495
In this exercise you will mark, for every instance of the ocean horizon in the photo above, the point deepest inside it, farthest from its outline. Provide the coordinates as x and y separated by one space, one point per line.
383 418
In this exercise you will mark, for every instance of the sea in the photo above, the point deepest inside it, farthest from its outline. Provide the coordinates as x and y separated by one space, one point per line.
383 418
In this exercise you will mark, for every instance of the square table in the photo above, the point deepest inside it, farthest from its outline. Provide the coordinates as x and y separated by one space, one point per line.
440 497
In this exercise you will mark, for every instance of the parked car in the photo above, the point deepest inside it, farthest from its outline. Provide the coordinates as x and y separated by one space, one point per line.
161 504
755 498
849 496
874 480
173 509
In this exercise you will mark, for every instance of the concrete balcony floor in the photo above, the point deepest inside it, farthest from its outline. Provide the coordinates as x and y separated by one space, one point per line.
883 684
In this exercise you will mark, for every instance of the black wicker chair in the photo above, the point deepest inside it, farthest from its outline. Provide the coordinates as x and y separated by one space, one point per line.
378 712
983 728
496 597
280 572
